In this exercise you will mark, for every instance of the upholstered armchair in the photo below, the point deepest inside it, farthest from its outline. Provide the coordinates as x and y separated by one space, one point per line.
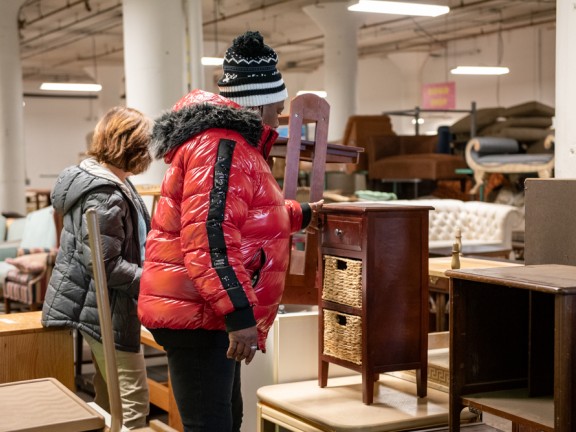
27 262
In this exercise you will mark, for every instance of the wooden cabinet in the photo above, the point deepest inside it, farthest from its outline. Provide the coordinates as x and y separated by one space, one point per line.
373 302
513 345
30 351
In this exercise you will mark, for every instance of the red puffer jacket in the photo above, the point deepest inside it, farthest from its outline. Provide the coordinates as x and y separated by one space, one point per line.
218 251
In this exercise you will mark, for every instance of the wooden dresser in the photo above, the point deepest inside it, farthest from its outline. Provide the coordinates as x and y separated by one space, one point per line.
373 302
512 349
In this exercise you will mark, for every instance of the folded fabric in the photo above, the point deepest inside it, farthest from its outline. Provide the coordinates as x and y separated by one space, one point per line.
375 195
33 263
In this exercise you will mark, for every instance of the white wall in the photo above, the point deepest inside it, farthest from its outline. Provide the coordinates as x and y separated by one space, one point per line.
529 53
55 128
54 135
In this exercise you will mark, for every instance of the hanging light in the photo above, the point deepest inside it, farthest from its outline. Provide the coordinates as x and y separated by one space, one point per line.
480 70
212 61
77 87
320 93
399 8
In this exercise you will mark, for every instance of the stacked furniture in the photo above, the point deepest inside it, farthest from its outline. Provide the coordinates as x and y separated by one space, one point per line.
528 123
394 158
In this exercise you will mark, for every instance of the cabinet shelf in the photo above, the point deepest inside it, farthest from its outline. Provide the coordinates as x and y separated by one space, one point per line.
512 345
517 406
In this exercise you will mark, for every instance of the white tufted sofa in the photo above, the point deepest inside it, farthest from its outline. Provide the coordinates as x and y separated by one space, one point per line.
480 222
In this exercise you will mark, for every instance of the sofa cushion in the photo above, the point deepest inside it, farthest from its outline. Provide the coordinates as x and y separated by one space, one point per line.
33 263
528 109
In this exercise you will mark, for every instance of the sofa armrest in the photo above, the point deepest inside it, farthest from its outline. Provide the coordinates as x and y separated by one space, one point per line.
494 145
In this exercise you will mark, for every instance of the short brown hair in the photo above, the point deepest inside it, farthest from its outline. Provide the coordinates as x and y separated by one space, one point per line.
121 139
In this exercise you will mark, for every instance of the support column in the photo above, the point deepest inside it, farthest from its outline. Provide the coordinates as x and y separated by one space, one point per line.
155 69
195 43
565 142
12 155
340 27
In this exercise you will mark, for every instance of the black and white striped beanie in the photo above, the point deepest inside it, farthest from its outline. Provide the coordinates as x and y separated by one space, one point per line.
250 76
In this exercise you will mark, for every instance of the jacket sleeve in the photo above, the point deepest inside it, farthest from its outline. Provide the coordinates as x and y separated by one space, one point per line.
113 212
300 214
212 215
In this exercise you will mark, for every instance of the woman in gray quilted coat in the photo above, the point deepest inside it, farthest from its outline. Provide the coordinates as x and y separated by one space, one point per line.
119 148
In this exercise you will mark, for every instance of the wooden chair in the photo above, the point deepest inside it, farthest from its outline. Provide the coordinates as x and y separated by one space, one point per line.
47 405
305 109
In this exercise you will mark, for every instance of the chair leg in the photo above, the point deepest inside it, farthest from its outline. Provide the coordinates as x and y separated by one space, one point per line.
7 305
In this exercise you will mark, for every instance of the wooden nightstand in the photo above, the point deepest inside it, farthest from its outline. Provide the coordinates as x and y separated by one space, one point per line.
373 305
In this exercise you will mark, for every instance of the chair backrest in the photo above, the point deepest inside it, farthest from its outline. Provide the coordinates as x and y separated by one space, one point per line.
105 317
39 229
305 109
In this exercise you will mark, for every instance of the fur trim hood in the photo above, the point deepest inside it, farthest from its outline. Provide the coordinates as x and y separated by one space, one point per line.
197 112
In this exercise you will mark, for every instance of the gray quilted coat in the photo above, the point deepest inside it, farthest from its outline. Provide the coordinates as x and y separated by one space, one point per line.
70 298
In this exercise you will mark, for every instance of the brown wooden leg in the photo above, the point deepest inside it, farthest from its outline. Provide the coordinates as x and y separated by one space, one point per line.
323 373
6 305
367 387
422 381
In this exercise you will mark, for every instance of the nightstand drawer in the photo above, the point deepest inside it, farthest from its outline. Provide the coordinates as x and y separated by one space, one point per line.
342 232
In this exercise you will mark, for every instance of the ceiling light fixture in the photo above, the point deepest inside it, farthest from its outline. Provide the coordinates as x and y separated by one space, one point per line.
78 87
480 70
399 8
212 61
320 93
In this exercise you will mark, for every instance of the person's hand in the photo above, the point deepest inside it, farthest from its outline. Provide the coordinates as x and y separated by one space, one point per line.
243 344
316 206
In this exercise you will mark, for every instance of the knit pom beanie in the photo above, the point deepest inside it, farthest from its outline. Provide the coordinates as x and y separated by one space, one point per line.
250 76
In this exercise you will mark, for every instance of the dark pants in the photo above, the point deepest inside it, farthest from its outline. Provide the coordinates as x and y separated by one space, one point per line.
206 384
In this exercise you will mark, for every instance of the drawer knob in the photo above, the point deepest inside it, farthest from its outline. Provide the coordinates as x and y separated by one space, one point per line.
338 232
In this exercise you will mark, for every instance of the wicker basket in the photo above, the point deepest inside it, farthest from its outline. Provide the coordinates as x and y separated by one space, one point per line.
343 336
342 281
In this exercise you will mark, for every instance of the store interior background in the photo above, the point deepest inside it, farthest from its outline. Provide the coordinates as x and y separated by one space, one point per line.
55 128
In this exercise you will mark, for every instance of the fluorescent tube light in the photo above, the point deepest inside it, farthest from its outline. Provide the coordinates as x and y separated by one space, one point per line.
78 87
320 93
480 70
212 61
399 8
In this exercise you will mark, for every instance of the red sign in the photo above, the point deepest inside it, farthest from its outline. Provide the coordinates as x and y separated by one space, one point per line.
439 95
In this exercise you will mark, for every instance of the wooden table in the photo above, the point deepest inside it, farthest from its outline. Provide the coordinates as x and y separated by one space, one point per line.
161 392
485 250
150 190
28 350
439 283
304 407
516 361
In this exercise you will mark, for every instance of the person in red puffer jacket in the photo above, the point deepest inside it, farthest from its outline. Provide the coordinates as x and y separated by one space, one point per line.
218 251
